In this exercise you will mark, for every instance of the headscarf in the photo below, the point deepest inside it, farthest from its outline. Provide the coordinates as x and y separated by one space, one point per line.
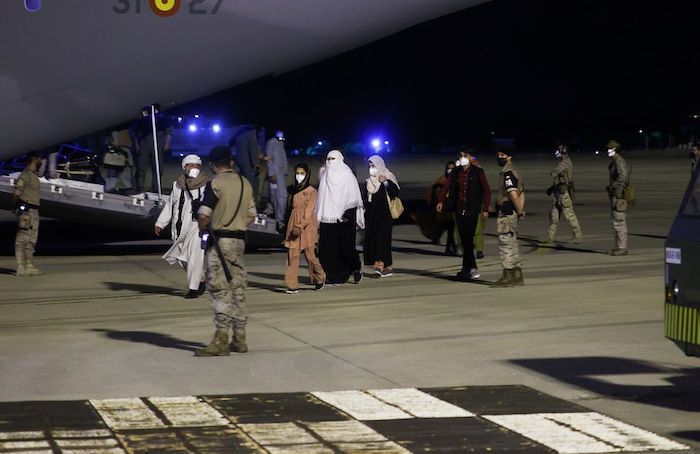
338 190
192 183
296 186
373 183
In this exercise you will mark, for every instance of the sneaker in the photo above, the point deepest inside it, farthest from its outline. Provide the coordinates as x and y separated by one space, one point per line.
474 274
378 272
291 291
387 272
462 277
480 254
616 252
320 286
357 276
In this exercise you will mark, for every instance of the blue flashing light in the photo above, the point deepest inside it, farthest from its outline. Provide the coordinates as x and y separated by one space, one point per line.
192 127
179 119
376 143
320 142
216 128
196 115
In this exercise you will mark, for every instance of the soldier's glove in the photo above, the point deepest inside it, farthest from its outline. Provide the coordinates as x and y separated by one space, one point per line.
550 190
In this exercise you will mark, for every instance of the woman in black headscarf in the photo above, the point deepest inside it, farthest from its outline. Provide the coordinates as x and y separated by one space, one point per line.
302 230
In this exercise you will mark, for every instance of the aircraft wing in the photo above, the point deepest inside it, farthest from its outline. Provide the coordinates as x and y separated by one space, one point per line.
74 66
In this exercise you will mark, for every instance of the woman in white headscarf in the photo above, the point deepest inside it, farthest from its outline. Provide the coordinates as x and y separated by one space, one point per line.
381 186
340 212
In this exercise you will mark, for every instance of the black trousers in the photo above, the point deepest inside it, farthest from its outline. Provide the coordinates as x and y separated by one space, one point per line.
466 225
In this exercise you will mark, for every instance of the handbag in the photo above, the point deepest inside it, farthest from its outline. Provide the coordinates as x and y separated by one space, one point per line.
395 206
114 157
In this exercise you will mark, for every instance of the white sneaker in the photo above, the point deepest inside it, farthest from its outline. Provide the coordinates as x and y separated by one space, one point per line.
291 291
474 274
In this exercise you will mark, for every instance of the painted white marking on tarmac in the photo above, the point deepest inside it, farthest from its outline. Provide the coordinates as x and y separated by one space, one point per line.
420 404
300 449
381 447
284 433
93 451
24 444
354 436
125 414
572 433
189 412
345 431
361 406
25 435
88 443
81 433
551 434
617 433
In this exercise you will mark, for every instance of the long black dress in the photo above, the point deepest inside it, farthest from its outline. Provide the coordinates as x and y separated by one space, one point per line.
336 248
379 225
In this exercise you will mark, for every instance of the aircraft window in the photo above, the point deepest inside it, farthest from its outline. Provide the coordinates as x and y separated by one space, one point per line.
692 204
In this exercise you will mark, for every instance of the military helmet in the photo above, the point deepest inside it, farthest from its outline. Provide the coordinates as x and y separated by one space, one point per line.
614 144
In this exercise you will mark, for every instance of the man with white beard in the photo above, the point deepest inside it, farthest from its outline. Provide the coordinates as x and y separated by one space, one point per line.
184 201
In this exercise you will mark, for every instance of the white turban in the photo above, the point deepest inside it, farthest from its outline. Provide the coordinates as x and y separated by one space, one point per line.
191 159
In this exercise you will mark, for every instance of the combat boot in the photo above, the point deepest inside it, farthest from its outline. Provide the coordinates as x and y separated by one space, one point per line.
506 279
238 342
21 270
518 276
32 271
217 347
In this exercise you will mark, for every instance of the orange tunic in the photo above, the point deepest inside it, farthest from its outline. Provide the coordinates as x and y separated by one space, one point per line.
303 216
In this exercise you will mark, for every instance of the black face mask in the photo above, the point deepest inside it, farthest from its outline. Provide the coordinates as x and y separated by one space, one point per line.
502 161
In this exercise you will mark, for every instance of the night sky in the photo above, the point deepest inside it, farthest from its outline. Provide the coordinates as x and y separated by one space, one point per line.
534 70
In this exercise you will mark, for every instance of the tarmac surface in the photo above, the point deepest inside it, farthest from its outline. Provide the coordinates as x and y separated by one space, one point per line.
107 321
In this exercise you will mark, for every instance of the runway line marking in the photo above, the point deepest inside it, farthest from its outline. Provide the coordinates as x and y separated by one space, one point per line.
361 406
573 433
419 403
125 414
189 411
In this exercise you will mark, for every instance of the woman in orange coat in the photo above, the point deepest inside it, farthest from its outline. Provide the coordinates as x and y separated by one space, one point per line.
302 231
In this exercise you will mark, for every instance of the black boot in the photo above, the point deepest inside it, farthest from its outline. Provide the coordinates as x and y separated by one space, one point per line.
506 279
518 276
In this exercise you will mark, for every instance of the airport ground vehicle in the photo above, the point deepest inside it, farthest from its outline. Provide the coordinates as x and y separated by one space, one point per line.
682 262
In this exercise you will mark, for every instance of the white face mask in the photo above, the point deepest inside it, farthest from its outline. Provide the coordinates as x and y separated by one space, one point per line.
300 178
557 154
449 171
373 171
193 173
611 152
462 162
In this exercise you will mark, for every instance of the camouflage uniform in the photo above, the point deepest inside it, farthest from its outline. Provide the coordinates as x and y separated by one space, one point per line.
507 222
618 205
227 298
229 221
27 190
563 204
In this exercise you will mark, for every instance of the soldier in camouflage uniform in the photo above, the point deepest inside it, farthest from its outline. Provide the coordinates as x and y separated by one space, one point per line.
228 207
26 197
510 206
562 175
619 172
